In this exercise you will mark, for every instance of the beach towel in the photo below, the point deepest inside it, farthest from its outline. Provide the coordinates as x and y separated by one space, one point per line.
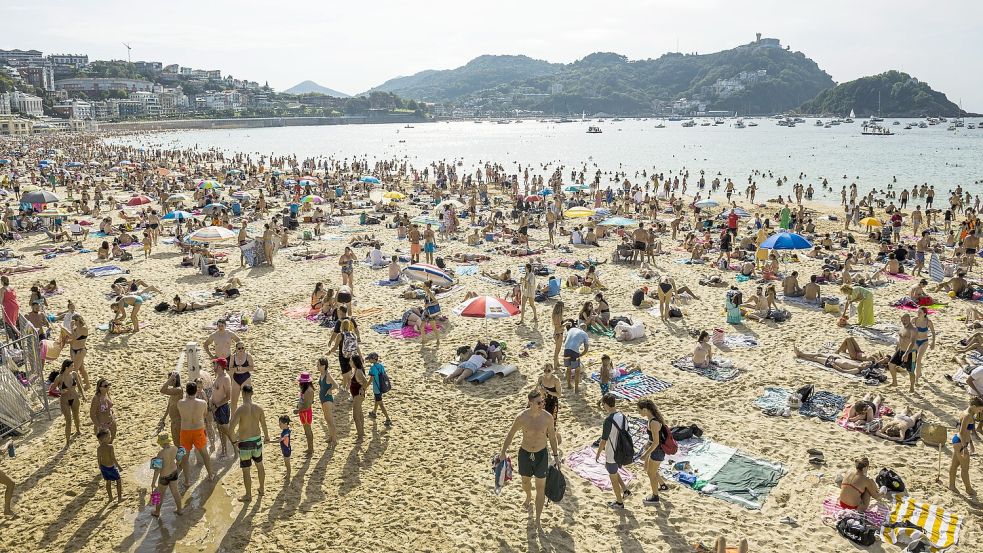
704 457
720 370
386 328
582 463
823 405
466 270
940 527
387 282
448 292
103 271
875 515
302 311
407 332
233 322
495 281
368 311
935 269
746 481
690 261
739 341
601 330
899 276
502 469
635 386
802 302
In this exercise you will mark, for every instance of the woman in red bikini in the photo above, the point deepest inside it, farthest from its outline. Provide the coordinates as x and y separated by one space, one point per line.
857 489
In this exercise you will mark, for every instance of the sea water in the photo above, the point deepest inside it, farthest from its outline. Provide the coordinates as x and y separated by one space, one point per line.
840 154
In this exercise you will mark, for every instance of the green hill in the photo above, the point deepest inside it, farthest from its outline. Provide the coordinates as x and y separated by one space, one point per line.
891 94
759 77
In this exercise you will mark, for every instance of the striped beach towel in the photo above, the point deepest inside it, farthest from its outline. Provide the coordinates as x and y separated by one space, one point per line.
935 270
503 472
941 527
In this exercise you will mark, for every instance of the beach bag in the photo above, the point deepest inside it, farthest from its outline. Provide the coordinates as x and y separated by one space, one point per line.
675 313
624 448
669 445
349 345
624 332
440 263
889 479
162 306
259 315
556 484
384 383
718 337
857 531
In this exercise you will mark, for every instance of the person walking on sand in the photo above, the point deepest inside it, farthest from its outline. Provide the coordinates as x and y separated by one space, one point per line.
241 365
573 342
221 410
193 412
537 430
614 424
658 433
378 376
961 443
326 383
248 419
166 466
528 295
305 410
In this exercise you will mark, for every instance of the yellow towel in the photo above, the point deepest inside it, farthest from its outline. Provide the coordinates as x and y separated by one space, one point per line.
941 526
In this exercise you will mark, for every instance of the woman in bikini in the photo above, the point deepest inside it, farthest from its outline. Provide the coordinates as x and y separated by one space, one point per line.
101 409
549 385
317 297
241 366
658 433
603 309
181 306
667 291
347 263
134 301
67 385
841 364
922 326
357 387
961 444
329 308
703 352
304 410
857 489
326 383
76 346
558 330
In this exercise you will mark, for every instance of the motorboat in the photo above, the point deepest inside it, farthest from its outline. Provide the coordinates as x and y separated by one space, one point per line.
819 122
873 129
593 130
739 124
689 123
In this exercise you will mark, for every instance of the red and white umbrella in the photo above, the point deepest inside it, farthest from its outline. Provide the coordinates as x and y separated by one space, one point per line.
486 307
138 200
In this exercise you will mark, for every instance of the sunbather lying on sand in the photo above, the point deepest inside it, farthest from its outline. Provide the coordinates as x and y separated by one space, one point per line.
505 276
469 362
842 364
181 306
896 428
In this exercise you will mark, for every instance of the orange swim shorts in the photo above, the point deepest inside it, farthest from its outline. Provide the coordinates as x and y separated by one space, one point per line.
415 248
194 438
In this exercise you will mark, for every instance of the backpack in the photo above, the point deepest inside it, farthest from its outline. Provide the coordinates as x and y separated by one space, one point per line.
889 479
556 484
669 445
349 344
857 531
384 383
675 313
624 448
440 263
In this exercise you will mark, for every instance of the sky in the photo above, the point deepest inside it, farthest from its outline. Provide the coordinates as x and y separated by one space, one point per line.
353 46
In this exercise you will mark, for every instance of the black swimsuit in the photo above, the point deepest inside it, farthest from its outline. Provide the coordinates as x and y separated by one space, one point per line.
242 377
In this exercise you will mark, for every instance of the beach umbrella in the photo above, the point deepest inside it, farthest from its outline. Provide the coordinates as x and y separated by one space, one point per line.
786 241
46 162
138 200
4 161
212 208
39 197
242 195
178 215
575 188
176 198
424 220
125 162
311 177
741 212
393 195
73 164
618 222
212 234
29 188
94 163
163 171
709 202
233 172
209 184
546 192
307 182
486 307
289 182
425 271
312 199
452 203
871 222
534 198
578 212
371 180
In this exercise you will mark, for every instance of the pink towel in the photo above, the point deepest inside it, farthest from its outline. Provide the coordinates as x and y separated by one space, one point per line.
876 515
300 312
408 332
582 462
899 276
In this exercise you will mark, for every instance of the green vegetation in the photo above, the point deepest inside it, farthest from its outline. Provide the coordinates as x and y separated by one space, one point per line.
898 94
611 83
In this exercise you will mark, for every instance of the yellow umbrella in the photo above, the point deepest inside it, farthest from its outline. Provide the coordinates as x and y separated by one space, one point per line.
870 222
393 195
578 212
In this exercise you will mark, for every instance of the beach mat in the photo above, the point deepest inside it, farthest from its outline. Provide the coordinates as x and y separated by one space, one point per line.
746 481
407 332
941 527
466 270
300 312
714 372
875 515
103 271
881 334
739 341
386 328
823 405
635 386
582 463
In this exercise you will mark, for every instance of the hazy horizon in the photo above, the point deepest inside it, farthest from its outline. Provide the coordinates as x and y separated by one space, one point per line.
351 50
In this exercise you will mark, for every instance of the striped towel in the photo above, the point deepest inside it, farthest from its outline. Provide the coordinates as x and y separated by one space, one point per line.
935 269
876 515
503 472
635 386
941 527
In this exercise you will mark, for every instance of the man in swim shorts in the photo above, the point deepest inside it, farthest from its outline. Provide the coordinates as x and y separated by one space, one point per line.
193 435
537 429
221 392
249 418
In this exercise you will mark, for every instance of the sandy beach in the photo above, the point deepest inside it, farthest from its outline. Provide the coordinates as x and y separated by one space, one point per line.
426 483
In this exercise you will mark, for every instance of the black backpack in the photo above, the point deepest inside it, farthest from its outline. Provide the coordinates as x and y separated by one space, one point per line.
889 479
857 531
556 484
624 448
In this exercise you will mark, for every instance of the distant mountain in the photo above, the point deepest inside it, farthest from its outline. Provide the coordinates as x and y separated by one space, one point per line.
759 77
481 73
899 95
309 87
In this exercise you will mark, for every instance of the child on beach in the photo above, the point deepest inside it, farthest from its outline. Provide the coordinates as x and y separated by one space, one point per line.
285 444
166 466
380 385
147 244
108 465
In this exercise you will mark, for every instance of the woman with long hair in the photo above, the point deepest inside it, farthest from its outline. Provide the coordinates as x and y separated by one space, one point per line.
76 346
347 263
304 410
326 383
658 432
558 330
101 409
549 385
66 384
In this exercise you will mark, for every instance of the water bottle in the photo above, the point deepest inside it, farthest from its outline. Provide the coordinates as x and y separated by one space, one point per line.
10 448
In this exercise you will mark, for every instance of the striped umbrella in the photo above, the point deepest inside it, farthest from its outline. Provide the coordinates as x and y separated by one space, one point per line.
175 198
209 184
709 202
138 200
212 234
578 212
179 215
242 195
486 307
425 271
307 182
534 198
52 212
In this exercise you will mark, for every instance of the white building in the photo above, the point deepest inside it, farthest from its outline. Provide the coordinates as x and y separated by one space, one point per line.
76 109
149 101
27 104
4 103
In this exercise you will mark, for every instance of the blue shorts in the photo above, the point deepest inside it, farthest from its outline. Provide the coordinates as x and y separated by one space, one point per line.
110 474
612 468
222 414
658 454
378 397
433 309
430 247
